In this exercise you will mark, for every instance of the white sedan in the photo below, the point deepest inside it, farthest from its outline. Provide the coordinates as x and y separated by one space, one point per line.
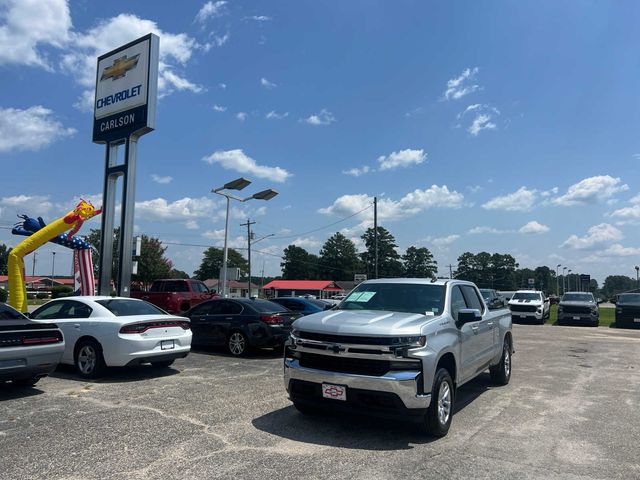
104 332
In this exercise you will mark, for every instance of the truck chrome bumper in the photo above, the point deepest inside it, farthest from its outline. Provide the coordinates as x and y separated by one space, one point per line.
404 384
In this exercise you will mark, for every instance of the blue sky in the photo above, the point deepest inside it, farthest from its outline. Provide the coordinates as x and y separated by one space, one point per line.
499 126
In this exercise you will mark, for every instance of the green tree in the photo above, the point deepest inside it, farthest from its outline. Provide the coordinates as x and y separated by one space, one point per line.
152 264
389 264
4 258
175 273
94 239
298 264
419 263
212 263
615 284
488 271
338 259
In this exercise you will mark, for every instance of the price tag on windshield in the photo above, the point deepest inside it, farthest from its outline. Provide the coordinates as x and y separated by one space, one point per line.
365 296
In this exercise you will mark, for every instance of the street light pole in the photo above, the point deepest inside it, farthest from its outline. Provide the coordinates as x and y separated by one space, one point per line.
237 184
53 268
569 278
564 280
557 281
637 276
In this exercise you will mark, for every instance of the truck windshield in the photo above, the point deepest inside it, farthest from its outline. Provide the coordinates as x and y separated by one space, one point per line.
526 296
577 297
396 297
629 298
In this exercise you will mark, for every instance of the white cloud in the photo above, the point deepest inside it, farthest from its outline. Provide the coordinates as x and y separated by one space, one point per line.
238 242
185 210
591 190
443 242
462 85
175 51
356 172
483 120
486 229
242 116
30 129
411 204
273 115
519 201
161 180
617 250
306 242
267 84
28 25
219 108
325 117
240 162
191 225
217 40
548 193
222 85
259 18
533 227
210 10
402 158
596 235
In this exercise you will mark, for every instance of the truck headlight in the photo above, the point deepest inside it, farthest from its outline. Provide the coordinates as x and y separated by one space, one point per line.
413 341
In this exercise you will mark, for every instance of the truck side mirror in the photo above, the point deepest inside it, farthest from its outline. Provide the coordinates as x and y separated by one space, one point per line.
467 315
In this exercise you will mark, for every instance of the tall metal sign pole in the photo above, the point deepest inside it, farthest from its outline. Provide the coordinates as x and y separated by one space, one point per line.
124 110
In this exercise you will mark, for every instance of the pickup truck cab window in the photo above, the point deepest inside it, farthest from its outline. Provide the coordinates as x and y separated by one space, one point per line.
396 297
200 287
457 302
470 295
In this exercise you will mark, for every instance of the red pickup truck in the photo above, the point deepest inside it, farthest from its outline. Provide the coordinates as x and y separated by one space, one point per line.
175 296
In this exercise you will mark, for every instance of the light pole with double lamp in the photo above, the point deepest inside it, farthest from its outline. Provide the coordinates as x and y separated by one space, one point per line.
569 279
557 281
564 280
237 184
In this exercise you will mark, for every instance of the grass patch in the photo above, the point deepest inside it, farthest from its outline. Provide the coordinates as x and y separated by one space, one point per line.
607 316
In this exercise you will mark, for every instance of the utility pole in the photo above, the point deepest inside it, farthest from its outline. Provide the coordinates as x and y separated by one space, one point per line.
375 236
249 234
33 268
450 270
262 279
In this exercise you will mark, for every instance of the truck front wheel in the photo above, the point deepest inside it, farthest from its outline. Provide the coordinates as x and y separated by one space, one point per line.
438 417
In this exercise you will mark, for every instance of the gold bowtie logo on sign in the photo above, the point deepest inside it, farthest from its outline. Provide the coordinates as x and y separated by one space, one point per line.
120 67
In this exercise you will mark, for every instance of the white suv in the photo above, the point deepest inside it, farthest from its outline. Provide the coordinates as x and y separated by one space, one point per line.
529 305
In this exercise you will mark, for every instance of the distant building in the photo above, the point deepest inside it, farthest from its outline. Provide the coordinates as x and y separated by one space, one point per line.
39 283
296 288
236 289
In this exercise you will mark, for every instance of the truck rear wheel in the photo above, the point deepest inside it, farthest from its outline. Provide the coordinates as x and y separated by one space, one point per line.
501 373
438 417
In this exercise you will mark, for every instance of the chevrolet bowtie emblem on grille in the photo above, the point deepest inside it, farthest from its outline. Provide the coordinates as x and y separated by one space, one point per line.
120 67
337 348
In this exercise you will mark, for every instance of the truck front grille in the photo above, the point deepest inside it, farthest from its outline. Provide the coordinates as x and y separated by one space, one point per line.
523 308
324 337
344 364
577 310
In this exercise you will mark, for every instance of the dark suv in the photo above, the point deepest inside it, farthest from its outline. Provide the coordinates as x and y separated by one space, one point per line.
628 310
578 307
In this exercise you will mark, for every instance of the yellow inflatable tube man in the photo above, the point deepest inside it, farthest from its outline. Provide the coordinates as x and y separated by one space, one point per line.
71 221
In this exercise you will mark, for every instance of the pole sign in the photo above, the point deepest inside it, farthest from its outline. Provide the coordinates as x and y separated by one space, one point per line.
126 90
532 282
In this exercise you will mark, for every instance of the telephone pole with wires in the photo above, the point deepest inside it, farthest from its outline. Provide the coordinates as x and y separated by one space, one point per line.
375 236
249 238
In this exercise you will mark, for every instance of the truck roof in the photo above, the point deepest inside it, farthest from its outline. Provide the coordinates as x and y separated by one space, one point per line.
421 281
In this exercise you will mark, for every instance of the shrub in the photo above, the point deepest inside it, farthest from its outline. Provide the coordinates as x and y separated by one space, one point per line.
60 291
3 295
41 295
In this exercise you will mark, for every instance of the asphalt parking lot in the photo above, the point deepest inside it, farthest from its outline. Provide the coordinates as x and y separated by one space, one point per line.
572 410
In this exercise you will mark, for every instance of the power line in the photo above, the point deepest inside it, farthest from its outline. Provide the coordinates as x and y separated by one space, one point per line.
325 226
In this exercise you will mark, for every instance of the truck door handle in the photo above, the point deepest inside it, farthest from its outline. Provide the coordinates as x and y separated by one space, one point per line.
229 318
490 324
474 328
76 325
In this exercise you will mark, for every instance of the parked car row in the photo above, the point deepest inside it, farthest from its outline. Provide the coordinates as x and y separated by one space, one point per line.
93 333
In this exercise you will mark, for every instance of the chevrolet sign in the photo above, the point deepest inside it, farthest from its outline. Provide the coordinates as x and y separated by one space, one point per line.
126 90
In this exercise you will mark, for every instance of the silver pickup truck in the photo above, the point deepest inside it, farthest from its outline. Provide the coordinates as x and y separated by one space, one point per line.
398 347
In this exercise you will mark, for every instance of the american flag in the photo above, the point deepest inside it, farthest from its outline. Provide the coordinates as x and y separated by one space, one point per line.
83 272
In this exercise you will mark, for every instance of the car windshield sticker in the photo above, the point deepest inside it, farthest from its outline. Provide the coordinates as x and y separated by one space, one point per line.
354 297
365 296
429 314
